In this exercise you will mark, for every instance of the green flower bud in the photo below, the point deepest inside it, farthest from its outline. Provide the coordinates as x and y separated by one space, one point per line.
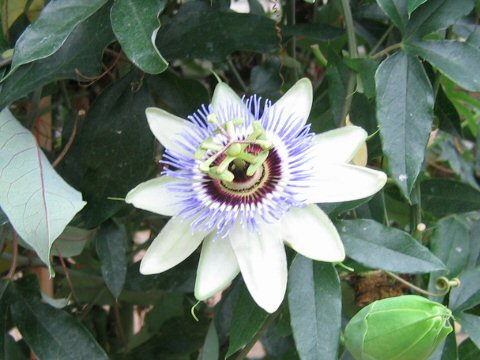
407 327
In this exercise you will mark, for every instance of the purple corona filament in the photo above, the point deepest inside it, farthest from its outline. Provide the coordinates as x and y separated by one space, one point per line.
213 204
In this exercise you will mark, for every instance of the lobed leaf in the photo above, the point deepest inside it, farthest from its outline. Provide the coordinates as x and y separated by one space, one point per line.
454 59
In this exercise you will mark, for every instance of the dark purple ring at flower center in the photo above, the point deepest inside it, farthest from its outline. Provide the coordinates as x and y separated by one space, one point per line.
247 189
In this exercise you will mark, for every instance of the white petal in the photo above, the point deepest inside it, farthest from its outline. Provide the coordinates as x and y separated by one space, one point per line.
217 267
173 245
296 102
262 260
153 195
223 96
339 145
342 182
310 232
167 127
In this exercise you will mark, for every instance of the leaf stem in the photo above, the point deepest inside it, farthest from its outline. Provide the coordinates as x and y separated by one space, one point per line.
381 40
69 143
292 45
416 213
67 273
387 50
352 49
352 41
13 264
239 79
416 288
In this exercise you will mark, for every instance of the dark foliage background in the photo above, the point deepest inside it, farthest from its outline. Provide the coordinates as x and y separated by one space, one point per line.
79 74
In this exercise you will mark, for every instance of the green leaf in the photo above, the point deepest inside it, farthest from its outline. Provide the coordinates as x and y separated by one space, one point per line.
450 242
210 347
56 22
404 113
471 325
468 294
454 59
179 339
37 201
201 32
337 76
247 320
377 246
71 241
135 25
448 117
265 80
3 218
468 351
256 8
396 10
111 241
474 258
181 96
413 4
169 306
53 334
113 151
314 300
81 51
365 68
443 197
437 15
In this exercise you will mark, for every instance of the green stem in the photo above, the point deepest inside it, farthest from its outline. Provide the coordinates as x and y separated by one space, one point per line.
381 40
242 354
352 41
239 79
292 45
318 55
416 288
387 50
352 49
416 213
37 95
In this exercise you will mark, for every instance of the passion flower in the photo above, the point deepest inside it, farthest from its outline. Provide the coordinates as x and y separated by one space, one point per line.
243 176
